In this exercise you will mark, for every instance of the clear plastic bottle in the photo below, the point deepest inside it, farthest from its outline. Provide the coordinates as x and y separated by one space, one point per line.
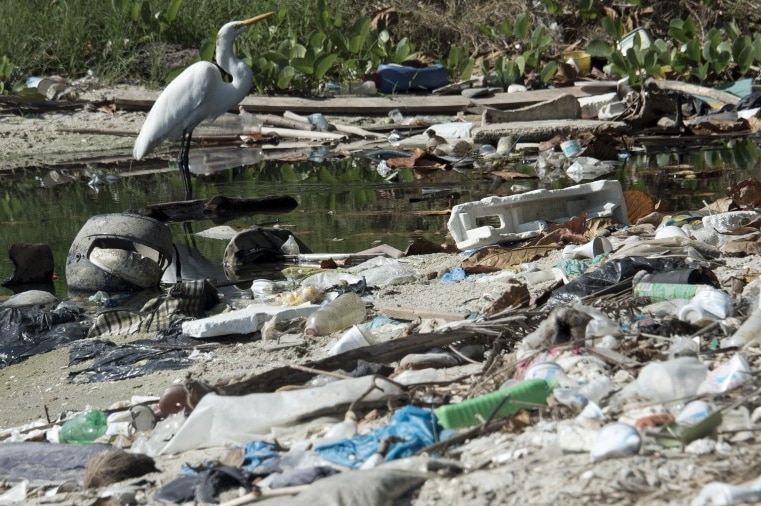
85 427
346 310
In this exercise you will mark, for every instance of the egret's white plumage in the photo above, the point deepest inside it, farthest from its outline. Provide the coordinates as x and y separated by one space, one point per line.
197 94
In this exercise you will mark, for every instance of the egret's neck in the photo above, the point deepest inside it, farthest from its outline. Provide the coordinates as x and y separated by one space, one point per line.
233 65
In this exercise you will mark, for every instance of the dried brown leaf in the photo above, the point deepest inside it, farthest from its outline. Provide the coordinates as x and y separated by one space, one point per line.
504 258
746 193
516 295
638 205
509 175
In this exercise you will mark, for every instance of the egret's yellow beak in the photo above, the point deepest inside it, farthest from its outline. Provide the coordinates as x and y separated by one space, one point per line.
250 21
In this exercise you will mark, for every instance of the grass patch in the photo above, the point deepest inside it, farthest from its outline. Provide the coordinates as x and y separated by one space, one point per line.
133 40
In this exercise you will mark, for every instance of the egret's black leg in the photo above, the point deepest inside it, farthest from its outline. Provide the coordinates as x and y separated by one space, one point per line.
182 161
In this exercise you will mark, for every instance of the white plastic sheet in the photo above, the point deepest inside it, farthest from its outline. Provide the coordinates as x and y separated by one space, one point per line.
226 420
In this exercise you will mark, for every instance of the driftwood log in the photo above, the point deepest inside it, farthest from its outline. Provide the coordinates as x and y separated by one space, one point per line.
381 353
218 208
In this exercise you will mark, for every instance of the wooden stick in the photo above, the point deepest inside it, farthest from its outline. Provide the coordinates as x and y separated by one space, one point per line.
261 494
302 134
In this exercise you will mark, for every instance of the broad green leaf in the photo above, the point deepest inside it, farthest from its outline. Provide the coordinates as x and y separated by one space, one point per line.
520 62
173 9
467 70
540 39
317 40
403 50
520 30
172 74
285 47
599 48
355 43
613 27
692 51
454 56
548 71
298 51
135 12
206 52
324 63
285 76
733 31
302 65
505 28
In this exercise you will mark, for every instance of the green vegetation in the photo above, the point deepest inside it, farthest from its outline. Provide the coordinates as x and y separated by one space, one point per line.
314 41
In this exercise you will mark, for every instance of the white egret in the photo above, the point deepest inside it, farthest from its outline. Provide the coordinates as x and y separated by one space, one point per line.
197 94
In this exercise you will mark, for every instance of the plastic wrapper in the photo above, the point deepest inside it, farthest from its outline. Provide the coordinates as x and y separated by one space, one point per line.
612 272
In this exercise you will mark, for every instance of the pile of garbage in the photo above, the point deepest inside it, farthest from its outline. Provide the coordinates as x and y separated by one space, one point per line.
580 346
614 346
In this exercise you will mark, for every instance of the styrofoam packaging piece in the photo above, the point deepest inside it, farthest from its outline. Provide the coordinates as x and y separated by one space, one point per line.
243 321
670 231
748 113
525 215
725 223
627 42
449 131
220 420
611 111
591 105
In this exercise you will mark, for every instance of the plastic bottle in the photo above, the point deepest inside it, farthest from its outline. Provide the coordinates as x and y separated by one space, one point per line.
85 427
346 310
666 291
512 399
749 332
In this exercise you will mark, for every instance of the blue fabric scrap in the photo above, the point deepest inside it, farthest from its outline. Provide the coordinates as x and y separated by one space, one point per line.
258 455
453 274
413 428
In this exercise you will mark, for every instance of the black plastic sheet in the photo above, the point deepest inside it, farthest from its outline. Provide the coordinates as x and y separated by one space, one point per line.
25 332
612 272
111 362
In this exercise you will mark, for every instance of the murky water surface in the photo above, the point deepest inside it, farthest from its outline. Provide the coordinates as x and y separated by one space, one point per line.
343 205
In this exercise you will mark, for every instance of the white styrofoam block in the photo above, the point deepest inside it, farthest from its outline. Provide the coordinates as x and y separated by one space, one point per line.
611 111
518 217
243 321
590 106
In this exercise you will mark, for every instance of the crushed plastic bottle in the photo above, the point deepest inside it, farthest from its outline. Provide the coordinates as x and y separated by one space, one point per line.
85 427
523 395
346 310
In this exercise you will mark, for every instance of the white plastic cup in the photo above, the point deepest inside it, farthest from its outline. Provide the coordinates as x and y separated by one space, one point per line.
615 440
693 413
670 380
544 370
355 337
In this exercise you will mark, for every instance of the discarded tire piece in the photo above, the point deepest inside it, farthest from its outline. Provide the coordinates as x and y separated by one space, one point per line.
118 252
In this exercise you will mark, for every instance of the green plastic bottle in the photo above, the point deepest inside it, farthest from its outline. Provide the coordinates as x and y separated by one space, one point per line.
85 427
463 414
